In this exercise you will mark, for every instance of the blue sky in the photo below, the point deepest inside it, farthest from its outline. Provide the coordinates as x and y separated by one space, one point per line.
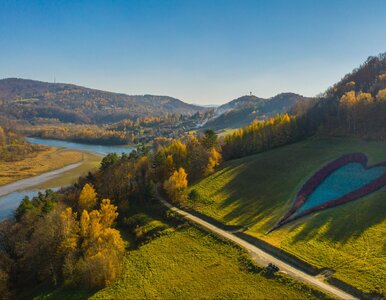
201 51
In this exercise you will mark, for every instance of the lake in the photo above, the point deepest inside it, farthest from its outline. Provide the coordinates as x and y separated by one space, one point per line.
98 149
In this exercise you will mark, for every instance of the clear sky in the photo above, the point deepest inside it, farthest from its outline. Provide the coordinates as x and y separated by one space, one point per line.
201 51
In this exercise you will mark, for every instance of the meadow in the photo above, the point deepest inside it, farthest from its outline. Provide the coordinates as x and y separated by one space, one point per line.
169 259
256 191
189 264
43 161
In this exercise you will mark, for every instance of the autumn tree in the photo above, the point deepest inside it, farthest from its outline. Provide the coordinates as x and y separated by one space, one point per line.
178 151
176 186
2 137
209 139
101 246
213 162
91 248
381 95
163 165
87 197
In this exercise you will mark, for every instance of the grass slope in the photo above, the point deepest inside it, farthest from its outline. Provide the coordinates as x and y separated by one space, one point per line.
46 160
256 191
190 264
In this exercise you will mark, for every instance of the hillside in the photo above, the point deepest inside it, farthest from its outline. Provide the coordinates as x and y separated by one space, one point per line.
356 105
257 190
185 263
13 147
203 262
242 111
30 100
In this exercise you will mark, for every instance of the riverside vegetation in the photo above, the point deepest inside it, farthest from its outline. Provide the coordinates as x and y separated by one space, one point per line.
20 159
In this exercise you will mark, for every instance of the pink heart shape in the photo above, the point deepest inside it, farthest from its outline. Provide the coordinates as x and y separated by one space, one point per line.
320 176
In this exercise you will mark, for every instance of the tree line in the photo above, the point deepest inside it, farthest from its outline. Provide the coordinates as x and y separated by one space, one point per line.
13 147
70 238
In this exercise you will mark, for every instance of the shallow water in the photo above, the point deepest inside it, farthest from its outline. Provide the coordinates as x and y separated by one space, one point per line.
98 149
344 180
10 202
12 194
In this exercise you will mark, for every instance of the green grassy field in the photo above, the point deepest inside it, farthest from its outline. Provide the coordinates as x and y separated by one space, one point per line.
257 190
185 263
190 264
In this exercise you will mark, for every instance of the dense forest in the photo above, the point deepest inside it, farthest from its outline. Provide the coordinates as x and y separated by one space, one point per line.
355 106
244 110
13 147
142 130
29 100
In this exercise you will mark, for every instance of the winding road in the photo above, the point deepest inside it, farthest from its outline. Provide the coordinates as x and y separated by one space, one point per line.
261 257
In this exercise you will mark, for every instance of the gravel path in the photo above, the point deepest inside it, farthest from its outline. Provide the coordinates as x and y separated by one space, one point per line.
261 257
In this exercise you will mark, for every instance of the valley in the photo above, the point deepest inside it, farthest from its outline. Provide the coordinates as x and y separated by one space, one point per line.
113 185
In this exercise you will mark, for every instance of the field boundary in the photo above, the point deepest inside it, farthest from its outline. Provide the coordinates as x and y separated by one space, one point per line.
283 255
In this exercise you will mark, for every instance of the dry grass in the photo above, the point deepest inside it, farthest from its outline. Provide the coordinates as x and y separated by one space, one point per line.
46 160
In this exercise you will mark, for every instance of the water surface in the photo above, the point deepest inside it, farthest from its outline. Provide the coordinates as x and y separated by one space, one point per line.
98 149
10 202
12 194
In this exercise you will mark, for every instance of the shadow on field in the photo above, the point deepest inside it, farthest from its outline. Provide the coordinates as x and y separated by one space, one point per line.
255 199
260 189
346 221
343 222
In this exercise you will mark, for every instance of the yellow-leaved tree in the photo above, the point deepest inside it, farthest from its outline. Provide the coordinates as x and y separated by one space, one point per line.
381 96
213 162
176 186
92 250
87 198
102 246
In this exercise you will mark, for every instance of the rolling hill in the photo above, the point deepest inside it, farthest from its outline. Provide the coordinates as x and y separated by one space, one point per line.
29 99
255 192
242 111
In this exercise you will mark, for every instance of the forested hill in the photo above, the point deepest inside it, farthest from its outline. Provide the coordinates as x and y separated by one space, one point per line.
242 111
13 147
354 107
30 99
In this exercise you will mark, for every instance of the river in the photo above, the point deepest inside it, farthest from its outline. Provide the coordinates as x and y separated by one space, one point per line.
12 194
97 149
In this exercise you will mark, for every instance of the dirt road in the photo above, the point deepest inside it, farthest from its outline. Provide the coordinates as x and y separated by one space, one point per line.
261 257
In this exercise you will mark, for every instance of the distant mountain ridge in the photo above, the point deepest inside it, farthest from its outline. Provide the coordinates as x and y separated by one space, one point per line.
29 99
243 110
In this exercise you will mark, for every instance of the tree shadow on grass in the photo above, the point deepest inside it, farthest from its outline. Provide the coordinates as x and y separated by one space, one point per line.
260 189
267 201
252 203
344 222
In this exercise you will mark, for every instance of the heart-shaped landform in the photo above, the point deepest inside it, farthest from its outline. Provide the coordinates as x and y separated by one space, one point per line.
343 180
